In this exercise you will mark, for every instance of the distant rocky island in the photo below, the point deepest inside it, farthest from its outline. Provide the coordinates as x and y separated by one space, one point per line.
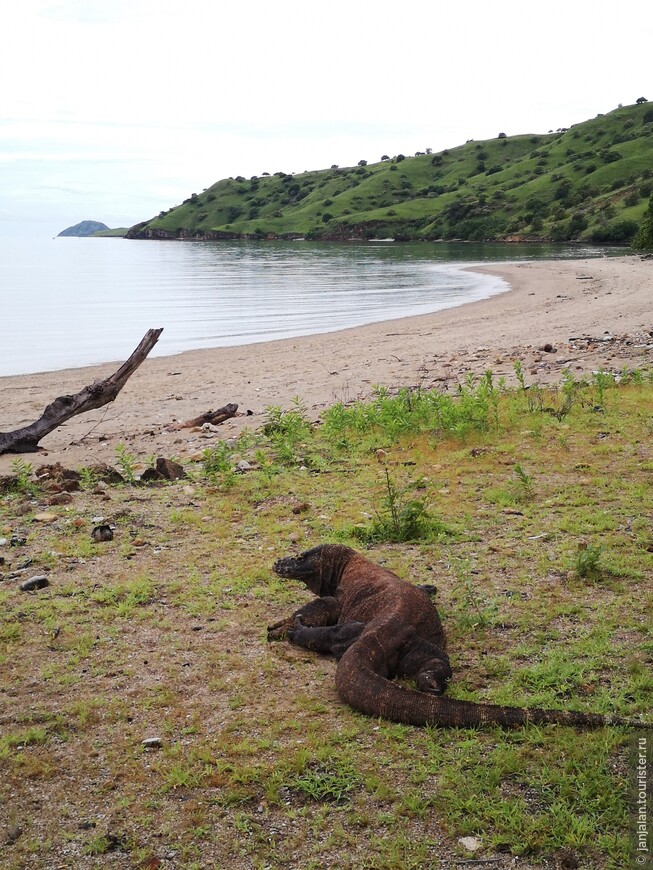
92 228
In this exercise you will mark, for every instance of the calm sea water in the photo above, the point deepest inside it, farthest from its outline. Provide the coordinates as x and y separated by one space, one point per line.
70 302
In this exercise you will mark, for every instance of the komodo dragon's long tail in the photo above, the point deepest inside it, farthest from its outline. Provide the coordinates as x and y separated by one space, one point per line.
365 690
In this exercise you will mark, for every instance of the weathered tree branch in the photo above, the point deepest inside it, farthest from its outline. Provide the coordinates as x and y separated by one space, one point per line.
213 417
97 394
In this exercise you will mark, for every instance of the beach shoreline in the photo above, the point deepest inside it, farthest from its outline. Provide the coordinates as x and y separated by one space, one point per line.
595 313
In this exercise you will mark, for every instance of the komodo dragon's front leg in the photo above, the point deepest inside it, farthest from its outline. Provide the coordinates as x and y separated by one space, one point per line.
332 640
318 612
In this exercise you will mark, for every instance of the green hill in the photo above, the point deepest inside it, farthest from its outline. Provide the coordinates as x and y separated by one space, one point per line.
589 182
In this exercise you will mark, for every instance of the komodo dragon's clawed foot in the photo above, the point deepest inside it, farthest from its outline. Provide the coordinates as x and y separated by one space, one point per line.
279 630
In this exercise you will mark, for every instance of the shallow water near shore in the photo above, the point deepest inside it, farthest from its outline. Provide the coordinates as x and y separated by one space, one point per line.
70 302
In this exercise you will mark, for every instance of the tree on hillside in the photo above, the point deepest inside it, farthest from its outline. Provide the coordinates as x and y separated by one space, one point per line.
385 157
643 241
641 100
362 162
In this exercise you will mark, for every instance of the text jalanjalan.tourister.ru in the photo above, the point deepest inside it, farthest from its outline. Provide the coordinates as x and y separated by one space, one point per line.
642 815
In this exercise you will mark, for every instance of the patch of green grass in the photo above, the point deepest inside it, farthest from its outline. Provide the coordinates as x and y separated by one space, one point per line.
123 599
331 781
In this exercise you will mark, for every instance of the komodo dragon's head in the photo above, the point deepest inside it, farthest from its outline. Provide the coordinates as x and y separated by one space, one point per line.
320 568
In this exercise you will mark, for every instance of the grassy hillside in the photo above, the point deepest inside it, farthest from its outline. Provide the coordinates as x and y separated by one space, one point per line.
117 233
590 182
529 510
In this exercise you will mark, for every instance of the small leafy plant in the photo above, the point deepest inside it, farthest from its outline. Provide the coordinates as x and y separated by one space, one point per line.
475 609
587 563
126 461
23 471
400 518
523 484
217 463
87 479
602 381
287 430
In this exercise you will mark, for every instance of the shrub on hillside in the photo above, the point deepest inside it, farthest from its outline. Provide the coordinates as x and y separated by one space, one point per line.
643 241
618 233
576 225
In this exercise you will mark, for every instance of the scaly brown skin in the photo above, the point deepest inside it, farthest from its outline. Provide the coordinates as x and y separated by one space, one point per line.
380 627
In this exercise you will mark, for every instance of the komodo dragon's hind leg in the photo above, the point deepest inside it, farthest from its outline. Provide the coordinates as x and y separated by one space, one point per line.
333 640
426 663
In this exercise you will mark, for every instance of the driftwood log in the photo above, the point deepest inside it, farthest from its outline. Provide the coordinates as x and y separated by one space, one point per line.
212 417
97 394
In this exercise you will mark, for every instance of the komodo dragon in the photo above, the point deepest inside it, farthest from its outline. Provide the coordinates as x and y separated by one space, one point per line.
381 627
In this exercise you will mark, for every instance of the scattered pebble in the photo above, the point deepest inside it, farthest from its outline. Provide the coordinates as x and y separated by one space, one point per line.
13 834
102 533
150 475
60 498
170 469
38 582
301 507
45 518
472 844
152 743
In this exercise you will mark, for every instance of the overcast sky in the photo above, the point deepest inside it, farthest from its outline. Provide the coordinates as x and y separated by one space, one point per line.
112 110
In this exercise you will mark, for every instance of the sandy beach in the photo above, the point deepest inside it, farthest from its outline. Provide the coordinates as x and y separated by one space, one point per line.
596 314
